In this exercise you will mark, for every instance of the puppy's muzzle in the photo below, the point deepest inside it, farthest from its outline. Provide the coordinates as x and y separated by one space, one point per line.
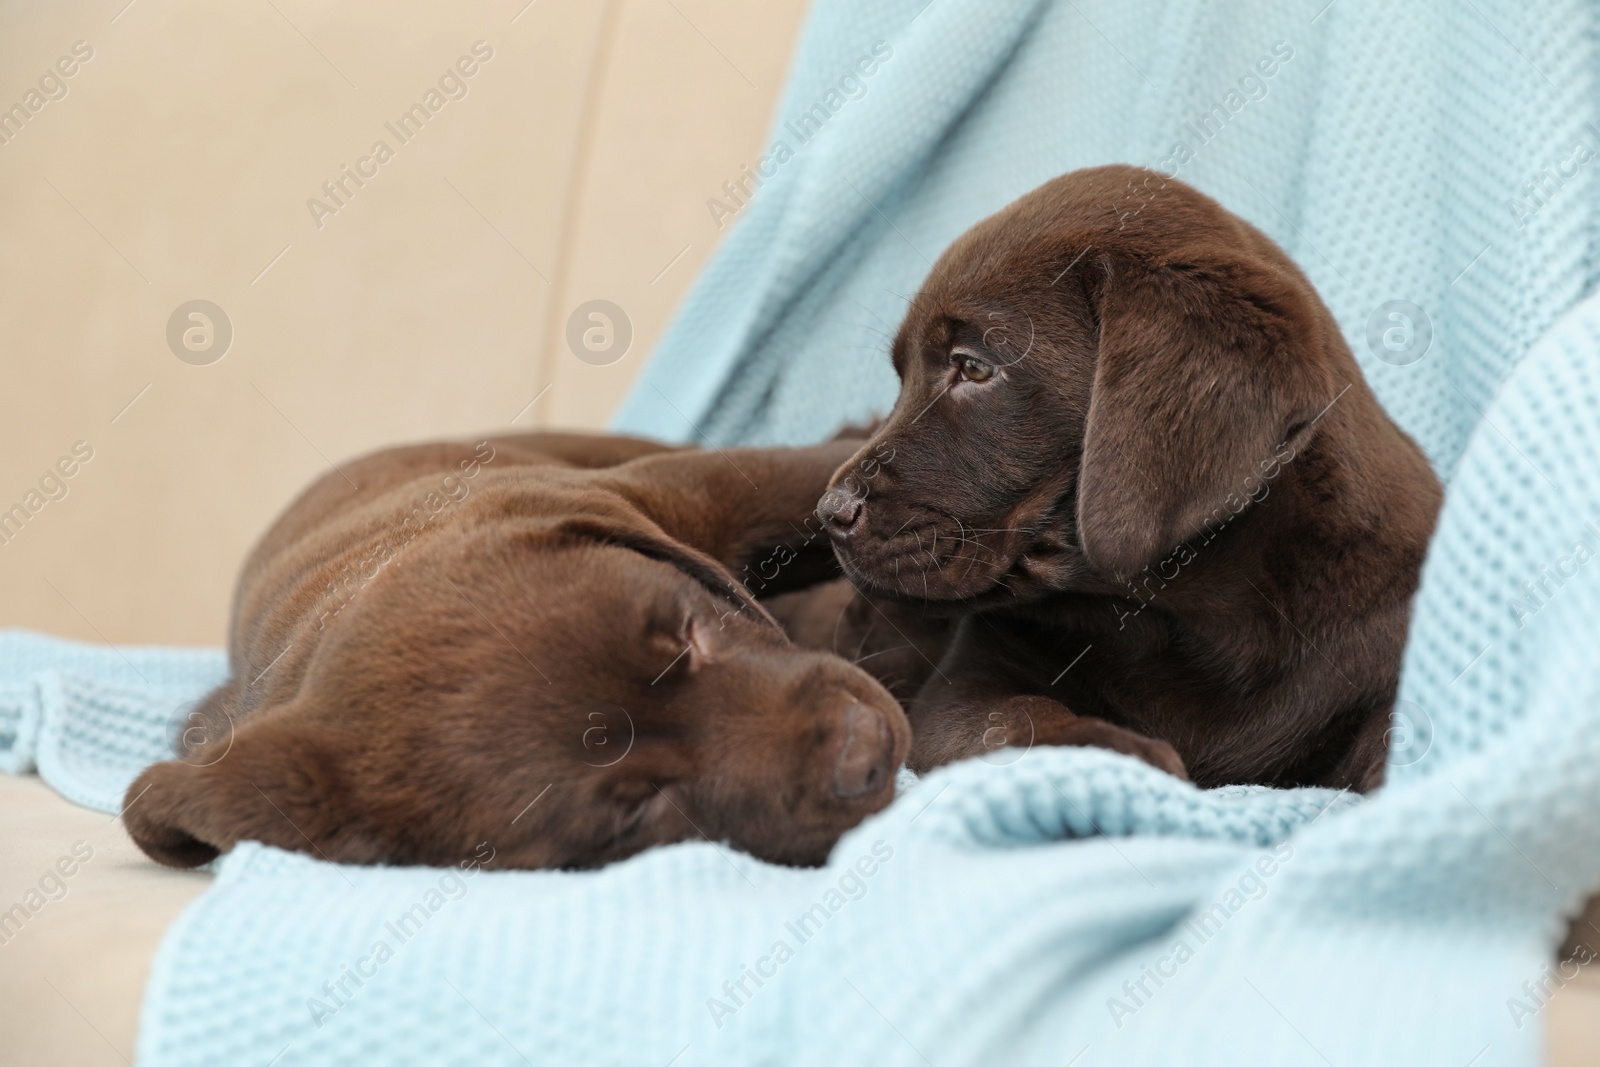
866 756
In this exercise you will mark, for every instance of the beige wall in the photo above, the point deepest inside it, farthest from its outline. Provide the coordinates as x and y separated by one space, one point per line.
432 303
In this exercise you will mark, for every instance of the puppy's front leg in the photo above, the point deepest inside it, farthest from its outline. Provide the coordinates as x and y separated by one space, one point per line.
973 706
978 728
739 505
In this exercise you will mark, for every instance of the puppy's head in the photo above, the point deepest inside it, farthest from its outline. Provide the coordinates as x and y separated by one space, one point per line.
1088 378
569 692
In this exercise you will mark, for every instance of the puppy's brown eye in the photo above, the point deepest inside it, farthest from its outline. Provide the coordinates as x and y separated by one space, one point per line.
976 370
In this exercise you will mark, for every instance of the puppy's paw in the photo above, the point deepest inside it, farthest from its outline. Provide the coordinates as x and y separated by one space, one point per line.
1002 733
1099 734
1161 756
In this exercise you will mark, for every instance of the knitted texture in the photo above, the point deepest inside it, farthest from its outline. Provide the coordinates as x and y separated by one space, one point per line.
1066 906
90 718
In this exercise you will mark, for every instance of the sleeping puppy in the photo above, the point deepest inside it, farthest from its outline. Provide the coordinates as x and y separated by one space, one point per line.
535 643
1134 453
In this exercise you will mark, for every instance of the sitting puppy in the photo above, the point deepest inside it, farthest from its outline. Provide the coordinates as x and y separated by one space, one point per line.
1133 451
537 644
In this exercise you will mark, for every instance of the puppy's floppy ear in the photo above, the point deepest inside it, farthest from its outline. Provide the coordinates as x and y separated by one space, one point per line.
639 534
163 812
274 785
1204 371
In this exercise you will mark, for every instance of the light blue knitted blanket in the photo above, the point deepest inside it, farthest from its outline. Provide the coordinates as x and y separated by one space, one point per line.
1065 906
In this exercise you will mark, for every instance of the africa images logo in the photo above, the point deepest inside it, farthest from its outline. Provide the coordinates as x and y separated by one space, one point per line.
452 85
803 128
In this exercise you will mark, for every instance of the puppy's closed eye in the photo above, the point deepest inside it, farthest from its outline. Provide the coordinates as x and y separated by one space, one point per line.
691 643
640 812
673 654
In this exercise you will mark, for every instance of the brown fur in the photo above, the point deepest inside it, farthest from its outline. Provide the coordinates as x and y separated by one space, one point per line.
535 643
897 643
1175 522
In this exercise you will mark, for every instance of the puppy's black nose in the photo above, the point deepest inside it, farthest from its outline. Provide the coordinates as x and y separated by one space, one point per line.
841 510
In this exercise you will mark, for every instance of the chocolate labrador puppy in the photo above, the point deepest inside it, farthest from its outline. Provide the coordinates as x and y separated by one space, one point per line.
537 643
1134 453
